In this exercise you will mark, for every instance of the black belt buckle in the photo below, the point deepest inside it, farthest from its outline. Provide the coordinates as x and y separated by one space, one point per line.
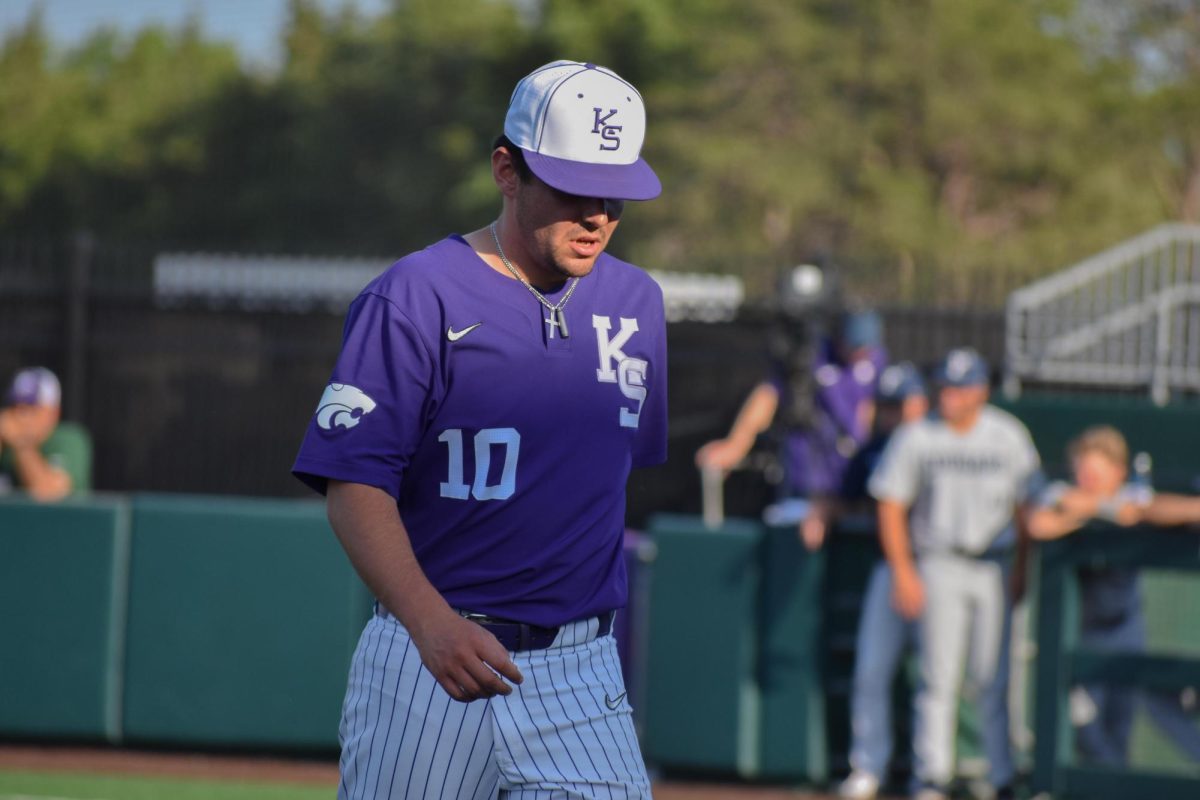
519 637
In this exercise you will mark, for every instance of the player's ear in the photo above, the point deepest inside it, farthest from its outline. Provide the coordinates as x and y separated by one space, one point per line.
504 172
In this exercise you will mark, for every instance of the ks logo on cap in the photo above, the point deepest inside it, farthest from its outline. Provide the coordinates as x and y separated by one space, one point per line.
608 133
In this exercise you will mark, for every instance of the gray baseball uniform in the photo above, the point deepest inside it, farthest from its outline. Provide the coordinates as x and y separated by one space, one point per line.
962 489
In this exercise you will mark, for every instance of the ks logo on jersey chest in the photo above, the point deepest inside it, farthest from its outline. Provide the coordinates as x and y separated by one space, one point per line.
629 374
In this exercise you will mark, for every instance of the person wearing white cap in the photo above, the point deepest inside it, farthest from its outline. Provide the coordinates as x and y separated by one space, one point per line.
952 491
474 443
40 455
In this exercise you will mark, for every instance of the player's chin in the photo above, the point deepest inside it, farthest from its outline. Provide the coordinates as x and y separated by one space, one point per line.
576 266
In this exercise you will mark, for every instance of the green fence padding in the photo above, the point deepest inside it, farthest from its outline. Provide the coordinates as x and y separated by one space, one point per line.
702 699
851 552
793 740
243 615
1098 782
1171 434
1061 662
62 593
1171 601
1134 669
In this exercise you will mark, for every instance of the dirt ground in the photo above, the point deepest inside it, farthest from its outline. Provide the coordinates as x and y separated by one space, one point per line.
312 772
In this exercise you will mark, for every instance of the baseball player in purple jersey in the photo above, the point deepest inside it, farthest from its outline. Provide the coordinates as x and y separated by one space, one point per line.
492 393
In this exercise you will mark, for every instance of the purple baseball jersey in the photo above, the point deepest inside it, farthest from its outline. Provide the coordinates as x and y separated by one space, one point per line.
816 459
506 446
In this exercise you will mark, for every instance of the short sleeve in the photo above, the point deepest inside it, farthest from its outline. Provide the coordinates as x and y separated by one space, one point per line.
898 475
1050 495
373 413
70 449
650 444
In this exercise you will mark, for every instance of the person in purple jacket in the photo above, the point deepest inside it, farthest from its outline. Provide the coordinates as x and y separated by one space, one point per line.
845 373
492 394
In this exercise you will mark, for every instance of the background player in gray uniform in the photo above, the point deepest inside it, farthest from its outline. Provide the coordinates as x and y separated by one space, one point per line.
883 634
962 473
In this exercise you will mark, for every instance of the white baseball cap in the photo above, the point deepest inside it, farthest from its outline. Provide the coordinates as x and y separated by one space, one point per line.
581 128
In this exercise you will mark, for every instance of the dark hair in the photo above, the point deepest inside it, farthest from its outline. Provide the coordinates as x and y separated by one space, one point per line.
518 157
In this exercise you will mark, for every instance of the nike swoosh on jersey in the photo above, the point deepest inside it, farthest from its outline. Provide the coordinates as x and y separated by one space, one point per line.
614 703
453 335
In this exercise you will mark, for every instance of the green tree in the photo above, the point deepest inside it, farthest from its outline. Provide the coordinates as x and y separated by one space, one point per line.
933 148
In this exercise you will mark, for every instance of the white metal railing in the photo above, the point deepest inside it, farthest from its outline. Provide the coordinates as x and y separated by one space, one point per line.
1128 317
303 283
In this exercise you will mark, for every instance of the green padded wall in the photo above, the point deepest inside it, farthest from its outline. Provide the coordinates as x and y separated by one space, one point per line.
243 615
793 741
851 551
1169 664
62 591
1171 434
1172 606
702 699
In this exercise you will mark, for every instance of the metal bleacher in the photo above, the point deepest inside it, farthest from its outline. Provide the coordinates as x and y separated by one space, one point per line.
1126 318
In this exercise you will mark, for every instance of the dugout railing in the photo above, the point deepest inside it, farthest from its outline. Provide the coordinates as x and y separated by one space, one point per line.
1062 662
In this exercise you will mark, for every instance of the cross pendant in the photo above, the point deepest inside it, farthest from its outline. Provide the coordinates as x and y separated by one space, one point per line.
557 320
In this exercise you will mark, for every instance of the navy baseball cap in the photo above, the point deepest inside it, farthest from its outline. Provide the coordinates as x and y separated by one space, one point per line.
962 366
862 329
899 382
581 128
35 386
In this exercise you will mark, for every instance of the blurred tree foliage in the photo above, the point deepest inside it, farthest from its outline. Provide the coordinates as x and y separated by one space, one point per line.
926 146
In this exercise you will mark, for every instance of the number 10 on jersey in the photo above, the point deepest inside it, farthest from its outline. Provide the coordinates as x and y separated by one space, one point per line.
457 488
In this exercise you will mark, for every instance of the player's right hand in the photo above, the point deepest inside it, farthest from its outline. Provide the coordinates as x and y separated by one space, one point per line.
1129 514
465 658
722 454
908 594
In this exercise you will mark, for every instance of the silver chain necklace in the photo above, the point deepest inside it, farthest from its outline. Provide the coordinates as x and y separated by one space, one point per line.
557 319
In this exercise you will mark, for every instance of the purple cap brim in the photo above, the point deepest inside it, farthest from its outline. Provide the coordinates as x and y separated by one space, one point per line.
634 181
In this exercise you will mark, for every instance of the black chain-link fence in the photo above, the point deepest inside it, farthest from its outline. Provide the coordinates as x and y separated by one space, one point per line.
196 395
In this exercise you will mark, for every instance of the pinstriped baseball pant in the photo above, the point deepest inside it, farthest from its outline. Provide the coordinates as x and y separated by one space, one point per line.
566 732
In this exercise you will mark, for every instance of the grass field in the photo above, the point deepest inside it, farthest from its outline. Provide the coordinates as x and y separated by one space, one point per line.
17 785
98 773
22 785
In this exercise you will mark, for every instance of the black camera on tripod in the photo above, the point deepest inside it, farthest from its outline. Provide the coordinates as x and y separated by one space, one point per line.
806 305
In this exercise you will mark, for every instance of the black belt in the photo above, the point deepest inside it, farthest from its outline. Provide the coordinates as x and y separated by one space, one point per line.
990 554
520 636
